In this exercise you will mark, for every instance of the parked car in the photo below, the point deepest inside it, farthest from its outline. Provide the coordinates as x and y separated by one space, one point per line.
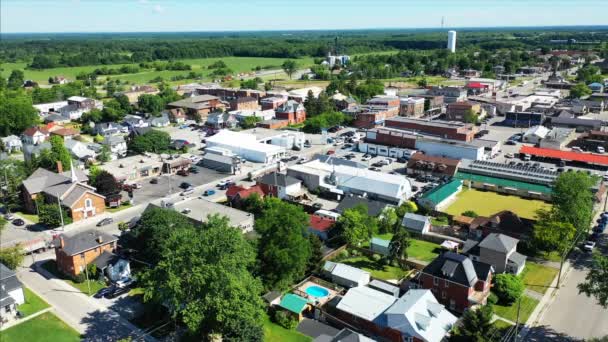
185 185
9 216
402 160
366 157
600 149
330 152
509 155
374 169
187 192
103 292
302 160
317 205
154 181
511 142
209 192
183 172
105 222
589 246
125 282
415 188
224 182
293 158
117 291
576 149
18 222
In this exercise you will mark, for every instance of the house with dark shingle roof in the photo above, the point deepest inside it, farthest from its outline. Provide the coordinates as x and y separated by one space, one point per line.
70 187
11 292
74 252
498 250
280 185
457 281
418 223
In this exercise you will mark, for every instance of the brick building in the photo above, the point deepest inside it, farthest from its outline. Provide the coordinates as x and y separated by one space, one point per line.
228 93
457 281
74 253
456 111
411 106
391 137
200 105
443 129
430 165
272 102
291 111
243 103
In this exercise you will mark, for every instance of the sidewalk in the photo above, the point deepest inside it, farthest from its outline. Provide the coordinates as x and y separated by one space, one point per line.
21 320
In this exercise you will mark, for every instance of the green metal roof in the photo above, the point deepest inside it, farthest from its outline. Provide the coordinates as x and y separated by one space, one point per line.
440 193
380 242
505 183
293 303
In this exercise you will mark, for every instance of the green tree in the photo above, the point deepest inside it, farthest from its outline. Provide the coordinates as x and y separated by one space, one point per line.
105 184
12 257
250 122
552 235
475 326
250 83
423 83
573 200
388 221
50 215
105 154
253 204
356 226
316 254
508 288
16 79
579 90
406 207
470 213
283 249
148 103
203 277
3 223
596 284
152 141
57 153
398 246
289 66
16 113
471 117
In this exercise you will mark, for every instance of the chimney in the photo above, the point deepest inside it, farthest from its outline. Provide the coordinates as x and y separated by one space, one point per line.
59 167
99 239
61 242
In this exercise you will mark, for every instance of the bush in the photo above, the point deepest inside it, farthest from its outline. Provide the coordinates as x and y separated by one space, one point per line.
355 252
285 320
344 254
508 288
79 278
92 269
470 213
376 257
492 298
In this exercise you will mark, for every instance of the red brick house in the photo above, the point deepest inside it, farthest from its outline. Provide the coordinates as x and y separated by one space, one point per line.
237 193
243 103
291 111
73 253
457 281
272 102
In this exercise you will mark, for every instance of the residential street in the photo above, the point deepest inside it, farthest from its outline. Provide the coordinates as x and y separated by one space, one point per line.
86 314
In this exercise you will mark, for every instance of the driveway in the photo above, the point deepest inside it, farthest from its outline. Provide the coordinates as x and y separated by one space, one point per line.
85 314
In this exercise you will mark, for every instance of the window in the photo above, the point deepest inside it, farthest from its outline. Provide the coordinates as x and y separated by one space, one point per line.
446 283
443 294
435 281
452 304
88 203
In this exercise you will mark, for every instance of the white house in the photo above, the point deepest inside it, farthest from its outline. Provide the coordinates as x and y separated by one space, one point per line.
117 145
11 293
80 150
161 121
35 136
535 134
12 143
419 316
246 146
46 108
280 185
417 223
346 275
366 303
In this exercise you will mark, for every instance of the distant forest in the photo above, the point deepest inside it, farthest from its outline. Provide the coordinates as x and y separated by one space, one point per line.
44 51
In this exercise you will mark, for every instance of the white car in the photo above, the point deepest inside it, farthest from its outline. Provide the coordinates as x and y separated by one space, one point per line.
600 149
224 182
509 155
366 158
589 246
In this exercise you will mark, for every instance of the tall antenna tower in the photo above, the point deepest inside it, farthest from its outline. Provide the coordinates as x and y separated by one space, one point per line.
442 21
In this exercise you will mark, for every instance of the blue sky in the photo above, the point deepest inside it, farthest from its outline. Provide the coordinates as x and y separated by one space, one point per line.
220 15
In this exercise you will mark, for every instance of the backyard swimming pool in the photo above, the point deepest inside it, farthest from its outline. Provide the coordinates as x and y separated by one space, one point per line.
317 291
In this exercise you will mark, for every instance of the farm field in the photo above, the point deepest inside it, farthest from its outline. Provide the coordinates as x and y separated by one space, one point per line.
486 203
199 65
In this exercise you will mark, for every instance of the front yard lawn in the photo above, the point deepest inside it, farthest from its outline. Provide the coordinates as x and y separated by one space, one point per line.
46 327
538 277
32 304
419 249
96 285
274 332
119 208
377 270
502 328
510 312
30 217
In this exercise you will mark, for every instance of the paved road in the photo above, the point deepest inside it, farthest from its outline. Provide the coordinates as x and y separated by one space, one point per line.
87 315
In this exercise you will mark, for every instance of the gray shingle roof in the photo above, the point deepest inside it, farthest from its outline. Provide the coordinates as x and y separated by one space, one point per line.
499 242
458 268
415 221
41 179
9 281
518 258
84 241
278 179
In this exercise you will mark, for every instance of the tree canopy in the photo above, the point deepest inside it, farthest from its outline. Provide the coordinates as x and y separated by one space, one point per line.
356 226
152 141
596 284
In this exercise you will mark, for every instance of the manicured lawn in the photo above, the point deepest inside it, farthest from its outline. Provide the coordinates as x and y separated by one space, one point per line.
538 277
510 312
31 217
439 221
32 304
486 203
274 332
96 285
117 209
419 249
43 328
377 270
502 327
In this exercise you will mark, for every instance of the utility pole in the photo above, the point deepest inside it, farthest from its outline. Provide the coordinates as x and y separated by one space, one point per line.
60 212
517 320
86 272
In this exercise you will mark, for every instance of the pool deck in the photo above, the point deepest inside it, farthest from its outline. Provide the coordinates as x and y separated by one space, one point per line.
319 301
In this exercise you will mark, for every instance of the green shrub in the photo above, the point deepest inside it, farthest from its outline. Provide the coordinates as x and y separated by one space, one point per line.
285 319
492 298
355 252
376 257
470 213
79 278
508 288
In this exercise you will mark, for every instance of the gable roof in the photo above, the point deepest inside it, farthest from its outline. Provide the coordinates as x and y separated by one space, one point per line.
320 224
65 132
499 242
33 130
374 208
458 268
8 280
290 107
278 179
365 302
84 241
293 303
415 221
350 273
418 314
440 193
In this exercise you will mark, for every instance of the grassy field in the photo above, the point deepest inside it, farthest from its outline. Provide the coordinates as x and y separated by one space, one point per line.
31 217
199 65
32 304
46 327
274 332
419 249
377 270
486 203
120 208
96 285
537 277
510 312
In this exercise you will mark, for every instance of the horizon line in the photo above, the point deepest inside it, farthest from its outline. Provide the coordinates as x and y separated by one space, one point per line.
314 30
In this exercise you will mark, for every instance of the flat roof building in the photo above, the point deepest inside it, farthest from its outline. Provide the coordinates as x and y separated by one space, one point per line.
246 146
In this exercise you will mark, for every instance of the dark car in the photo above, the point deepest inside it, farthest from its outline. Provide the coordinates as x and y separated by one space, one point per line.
183 173
193 169
414 188
185 185
154 181
105 222
402 160
293 158
18 222
511 142
103 292
117 292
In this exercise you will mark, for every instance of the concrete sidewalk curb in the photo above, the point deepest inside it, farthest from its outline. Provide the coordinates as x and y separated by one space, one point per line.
24 319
